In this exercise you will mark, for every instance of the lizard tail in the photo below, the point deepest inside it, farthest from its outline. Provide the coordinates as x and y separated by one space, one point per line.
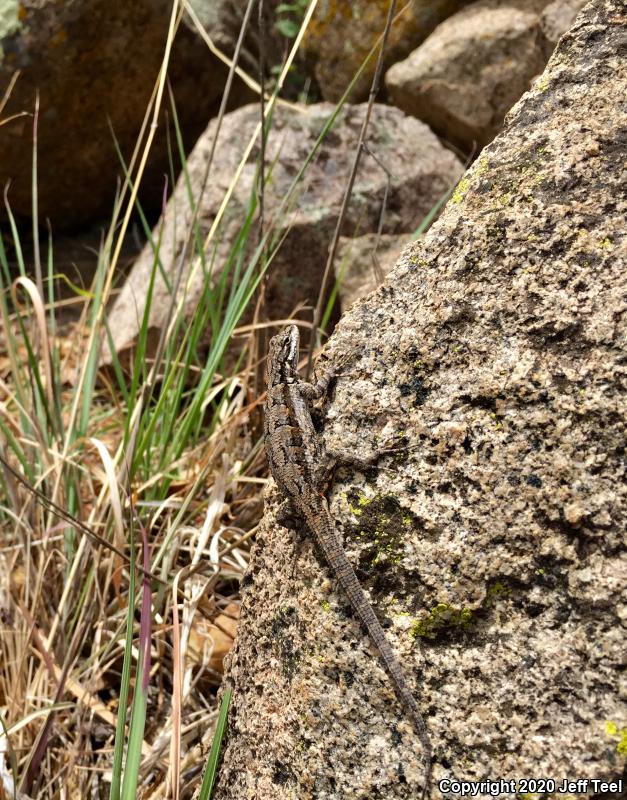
394 670
330 543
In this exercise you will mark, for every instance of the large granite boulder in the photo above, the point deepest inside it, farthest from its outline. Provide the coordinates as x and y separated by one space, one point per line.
493 542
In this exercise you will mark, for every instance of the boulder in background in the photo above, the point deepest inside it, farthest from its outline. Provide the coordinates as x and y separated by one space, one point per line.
472 69
420 170
94 64
342 32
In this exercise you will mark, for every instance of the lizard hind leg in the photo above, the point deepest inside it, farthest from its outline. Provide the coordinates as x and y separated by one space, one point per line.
363 463
349 458
287 516
336 459
325 471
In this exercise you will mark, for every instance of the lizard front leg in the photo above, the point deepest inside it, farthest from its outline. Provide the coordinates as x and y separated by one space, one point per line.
314 391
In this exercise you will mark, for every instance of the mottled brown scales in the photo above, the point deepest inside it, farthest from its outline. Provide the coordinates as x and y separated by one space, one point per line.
299 466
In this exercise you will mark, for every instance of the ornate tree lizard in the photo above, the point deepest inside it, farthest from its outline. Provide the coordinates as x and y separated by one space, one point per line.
299 466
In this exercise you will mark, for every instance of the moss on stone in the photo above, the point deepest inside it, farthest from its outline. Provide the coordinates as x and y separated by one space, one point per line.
441 617
495 591
357 505
383 529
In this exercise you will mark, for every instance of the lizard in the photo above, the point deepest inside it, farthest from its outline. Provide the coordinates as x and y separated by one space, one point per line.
299 466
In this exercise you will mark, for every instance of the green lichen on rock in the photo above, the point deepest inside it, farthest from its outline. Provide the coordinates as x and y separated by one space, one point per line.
460 190
465 183
383 529
446 618
495 591
441 617
358 507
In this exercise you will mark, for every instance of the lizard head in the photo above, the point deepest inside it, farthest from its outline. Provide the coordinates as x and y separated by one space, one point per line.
282 364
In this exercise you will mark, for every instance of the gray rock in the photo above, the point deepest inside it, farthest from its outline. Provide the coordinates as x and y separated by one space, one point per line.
94 63
465 77
342 32
558 17
495 349
362 260
418 164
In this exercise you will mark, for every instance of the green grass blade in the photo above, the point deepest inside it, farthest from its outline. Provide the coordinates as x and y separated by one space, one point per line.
135 738
209 778
118 752
142 680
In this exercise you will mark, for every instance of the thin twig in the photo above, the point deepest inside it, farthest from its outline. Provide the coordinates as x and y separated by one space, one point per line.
7 94
260 334
76 523
388 182
374 88
262 110
36 253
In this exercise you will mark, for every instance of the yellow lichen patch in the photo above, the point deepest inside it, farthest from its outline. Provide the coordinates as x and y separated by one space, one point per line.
461 190
613 731
464 185
362 502
482 166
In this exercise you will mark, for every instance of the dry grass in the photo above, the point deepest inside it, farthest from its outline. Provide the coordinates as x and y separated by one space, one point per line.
64 597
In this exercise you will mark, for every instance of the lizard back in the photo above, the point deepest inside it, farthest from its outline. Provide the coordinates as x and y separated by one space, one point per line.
291 442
